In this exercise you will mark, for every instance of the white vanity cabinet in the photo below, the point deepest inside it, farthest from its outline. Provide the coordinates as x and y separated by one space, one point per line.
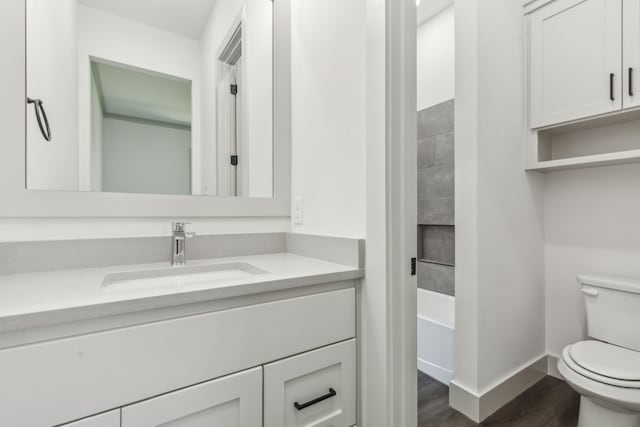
233 401
200 370
313 389
108 419
575 60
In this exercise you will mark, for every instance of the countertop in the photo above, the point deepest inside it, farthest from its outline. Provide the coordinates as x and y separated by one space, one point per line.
37 299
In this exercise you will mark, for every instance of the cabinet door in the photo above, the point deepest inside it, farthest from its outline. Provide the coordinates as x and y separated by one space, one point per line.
575 60
313 389
108 419
631 56
233 401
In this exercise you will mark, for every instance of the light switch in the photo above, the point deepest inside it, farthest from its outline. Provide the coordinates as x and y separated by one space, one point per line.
298 210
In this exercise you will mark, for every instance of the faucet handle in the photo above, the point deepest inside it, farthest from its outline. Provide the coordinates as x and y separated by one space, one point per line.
179 226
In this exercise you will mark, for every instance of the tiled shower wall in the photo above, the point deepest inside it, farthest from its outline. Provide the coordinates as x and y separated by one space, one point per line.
436 232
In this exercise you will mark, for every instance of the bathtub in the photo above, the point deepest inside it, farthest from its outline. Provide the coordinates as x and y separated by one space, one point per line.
436 320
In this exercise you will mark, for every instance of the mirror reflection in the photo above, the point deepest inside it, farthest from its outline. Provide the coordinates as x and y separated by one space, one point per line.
155 97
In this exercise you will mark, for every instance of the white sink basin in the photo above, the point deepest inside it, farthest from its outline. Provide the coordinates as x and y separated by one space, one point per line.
179 277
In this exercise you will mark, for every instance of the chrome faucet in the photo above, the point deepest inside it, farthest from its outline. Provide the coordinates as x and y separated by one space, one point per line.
178 243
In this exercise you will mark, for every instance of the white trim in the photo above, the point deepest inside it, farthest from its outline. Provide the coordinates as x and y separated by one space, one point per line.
552 366
388 294
402 201
434 371
18 202
479 407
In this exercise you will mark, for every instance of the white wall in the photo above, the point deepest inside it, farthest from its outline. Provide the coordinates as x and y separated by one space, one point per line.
113 38
52 77
329 112
591 226
436 59
147 158
500 299
257 57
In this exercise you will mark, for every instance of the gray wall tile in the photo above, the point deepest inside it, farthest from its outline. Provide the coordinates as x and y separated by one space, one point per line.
427 153
436 182
436 234
436 120
437 243
437 278
444 149
438 211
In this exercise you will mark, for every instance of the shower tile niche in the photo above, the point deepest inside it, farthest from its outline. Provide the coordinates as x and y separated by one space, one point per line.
436 228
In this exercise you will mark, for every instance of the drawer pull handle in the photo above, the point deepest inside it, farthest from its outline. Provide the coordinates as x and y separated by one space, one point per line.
301 406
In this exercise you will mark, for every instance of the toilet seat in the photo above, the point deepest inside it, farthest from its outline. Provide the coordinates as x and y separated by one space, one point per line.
605 363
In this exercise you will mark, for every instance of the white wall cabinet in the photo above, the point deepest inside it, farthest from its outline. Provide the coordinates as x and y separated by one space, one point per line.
108 419
631 53
313 389
583 70
233 401
575 60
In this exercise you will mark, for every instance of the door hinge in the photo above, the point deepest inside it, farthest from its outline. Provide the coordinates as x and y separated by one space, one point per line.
413 266
234 160
234 89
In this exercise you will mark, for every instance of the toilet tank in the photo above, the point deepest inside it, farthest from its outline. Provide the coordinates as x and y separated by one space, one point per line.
613 309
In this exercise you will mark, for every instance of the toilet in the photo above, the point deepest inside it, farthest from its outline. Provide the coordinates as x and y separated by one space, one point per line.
605 369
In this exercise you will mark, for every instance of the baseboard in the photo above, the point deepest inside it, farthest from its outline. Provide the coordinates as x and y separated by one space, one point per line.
480 406
552 367
434 371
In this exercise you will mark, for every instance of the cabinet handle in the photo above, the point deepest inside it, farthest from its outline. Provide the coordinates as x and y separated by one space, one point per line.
301 406
630 81
611 95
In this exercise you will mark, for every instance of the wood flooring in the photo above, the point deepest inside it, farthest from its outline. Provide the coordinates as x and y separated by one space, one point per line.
548 403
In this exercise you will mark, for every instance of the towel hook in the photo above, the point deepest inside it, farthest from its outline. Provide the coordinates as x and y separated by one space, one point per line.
41 116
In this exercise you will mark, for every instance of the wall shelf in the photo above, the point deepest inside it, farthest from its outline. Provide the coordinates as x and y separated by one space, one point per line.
601 141
606 159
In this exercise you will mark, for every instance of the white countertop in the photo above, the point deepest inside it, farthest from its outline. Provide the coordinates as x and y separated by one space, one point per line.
39 299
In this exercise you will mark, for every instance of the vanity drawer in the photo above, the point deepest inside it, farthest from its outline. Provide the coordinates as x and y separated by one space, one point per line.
232 401
110 369
313 389
108 419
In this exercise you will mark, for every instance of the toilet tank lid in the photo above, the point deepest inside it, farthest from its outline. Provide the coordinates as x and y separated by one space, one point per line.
616 283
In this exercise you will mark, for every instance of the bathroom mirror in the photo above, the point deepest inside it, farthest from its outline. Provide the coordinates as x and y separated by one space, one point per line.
163 97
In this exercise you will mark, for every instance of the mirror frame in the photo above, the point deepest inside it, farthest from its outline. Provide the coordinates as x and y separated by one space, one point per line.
17 201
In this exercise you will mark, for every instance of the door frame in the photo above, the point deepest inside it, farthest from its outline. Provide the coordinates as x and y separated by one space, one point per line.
389 292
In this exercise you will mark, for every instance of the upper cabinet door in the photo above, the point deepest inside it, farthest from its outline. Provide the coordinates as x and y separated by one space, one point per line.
631 43
233 401
575 60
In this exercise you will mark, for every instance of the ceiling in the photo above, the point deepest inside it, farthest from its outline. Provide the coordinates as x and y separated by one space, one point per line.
184 17
429 8
143 95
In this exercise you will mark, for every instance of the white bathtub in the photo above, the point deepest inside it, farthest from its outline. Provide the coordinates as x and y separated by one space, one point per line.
436 329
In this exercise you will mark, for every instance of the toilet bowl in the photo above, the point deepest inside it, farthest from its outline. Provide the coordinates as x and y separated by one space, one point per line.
608 380
605 370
